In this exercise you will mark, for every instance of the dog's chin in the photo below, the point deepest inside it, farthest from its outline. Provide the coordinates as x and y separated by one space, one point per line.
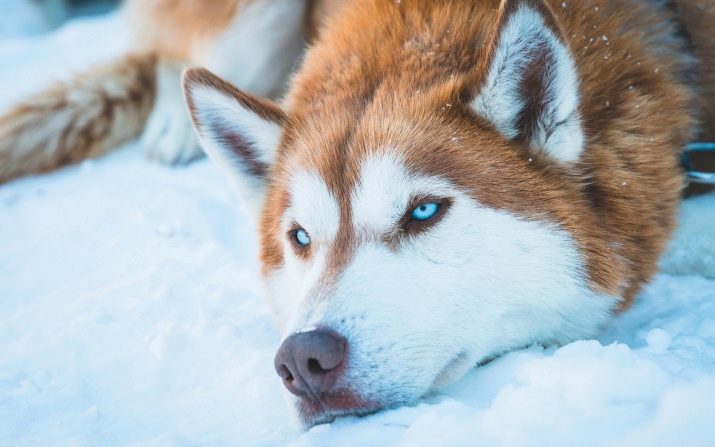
332 406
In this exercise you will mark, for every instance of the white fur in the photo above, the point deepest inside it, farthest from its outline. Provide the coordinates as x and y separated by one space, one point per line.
314 208
258 49
481 282
501 100
168 136
381 199
215 110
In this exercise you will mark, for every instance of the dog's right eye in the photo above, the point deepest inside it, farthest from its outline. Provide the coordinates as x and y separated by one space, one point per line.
425 211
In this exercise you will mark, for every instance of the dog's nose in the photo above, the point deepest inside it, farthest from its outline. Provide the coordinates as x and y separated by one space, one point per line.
308 362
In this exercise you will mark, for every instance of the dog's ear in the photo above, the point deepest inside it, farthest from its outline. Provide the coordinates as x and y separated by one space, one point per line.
530 88
238 131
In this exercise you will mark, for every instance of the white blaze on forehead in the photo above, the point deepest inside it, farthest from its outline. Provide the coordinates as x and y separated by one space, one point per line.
385 189
313 206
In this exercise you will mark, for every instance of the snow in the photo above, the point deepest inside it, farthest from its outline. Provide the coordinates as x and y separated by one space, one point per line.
22 17
696 234
131 315
36 61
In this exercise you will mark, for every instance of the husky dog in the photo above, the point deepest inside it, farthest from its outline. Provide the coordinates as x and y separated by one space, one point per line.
442 181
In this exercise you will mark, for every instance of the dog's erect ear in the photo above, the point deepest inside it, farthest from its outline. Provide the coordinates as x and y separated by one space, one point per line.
530 89
238 131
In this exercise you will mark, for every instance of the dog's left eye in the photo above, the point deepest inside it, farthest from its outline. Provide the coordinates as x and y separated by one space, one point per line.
301 237
425 211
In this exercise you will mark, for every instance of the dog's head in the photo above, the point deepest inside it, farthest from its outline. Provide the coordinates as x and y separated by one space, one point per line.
414 226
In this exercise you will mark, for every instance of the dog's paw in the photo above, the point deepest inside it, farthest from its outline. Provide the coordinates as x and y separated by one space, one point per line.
169 136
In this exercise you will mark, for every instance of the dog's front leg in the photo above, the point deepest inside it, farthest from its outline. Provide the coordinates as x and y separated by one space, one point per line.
168 136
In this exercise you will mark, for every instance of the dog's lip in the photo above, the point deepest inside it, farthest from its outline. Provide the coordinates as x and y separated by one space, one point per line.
442 378
345 402
336 404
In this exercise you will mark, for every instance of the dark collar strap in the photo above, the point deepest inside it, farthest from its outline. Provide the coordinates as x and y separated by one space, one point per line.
700 150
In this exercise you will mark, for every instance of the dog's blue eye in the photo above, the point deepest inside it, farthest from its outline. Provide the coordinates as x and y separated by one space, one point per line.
301 237
425 211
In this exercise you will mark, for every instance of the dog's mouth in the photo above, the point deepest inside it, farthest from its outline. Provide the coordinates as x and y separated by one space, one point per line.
318 367
315 409
331 406
344 403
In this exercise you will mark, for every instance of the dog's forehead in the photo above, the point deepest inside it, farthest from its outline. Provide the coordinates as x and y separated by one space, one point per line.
372 197
374 164
375 200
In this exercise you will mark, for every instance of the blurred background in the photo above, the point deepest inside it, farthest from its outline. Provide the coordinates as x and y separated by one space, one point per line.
19 18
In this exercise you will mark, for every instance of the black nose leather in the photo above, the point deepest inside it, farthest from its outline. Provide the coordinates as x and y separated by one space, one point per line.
308 362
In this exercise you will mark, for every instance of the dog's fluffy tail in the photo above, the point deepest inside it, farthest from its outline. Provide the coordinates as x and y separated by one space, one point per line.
82 118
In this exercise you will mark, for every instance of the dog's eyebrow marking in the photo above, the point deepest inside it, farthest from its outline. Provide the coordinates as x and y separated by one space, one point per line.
313 206
381 193
386 188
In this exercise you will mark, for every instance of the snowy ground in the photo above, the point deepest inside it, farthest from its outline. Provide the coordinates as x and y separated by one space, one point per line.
130 315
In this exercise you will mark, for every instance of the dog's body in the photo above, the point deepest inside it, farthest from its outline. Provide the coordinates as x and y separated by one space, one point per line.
445 181
141 94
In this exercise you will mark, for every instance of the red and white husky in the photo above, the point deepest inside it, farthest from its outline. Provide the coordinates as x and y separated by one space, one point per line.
443 182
